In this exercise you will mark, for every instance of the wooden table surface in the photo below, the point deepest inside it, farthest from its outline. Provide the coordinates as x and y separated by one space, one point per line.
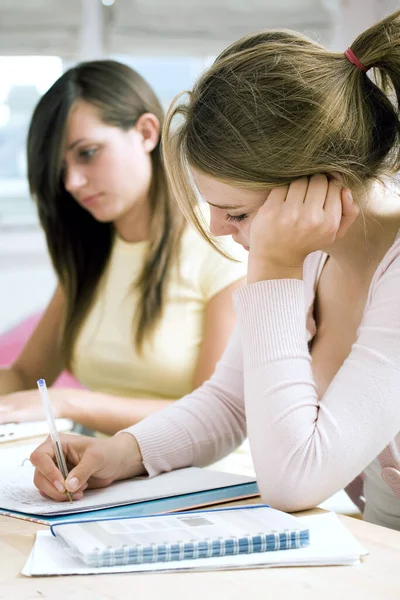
376 578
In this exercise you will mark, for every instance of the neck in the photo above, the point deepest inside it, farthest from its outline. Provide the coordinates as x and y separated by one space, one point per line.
371 236
134 226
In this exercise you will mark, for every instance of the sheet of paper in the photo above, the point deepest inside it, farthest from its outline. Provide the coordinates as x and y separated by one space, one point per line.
18 493
10 432
16 455
331 544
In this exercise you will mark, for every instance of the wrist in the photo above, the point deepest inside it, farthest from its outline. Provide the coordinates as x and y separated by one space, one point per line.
128 452
264 270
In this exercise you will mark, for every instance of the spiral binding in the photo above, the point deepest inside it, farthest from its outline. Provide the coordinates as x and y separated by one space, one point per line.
196 549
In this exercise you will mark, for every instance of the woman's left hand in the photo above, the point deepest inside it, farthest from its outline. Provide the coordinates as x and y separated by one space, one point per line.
295 220
27 406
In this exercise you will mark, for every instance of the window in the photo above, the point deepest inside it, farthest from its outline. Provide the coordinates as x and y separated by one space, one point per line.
24 79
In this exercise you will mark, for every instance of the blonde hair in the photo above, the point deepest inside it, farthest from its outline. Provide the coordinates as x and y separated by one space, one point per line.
276 106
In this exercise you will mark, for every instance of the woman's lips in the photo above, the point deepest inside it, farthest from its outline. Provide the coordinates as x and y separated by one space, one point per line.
90 200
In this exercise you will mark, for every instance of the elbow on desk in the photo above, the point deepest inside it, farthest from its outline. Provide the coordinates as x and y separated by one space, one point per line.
288 495
297 478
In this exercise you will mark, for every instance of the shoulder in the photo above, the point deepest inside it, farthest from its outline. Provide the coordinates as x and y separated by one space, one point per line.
391 260
386 279
382 310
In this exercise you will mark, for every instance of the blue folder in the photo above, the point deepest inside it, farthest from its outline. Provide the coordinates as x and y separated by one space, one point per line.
149 507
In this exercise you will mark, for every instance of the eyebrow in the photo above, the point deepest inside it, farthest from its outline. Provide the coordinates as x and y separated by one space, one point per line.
226 206
72 146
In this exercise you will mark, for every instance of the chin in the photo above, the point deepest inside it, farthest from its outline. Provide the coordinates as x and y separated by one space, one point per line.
104 216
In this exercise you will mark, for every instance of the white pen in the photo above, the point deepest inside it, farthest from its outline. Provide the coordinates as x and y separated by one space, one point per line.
55 438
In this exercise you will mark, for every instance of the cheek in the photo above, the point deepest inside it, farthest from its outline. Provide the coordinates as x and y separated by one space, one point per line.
110 170
138 175
137 162
129 175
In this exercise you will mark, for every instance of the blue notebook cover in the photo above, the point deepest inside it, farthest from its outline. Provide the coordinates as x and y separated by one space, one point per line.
181 536
162 505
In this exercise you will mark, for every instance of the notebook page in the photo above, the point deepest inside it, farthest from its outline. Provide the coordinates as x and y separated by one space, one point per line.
16 454
330 544
18 493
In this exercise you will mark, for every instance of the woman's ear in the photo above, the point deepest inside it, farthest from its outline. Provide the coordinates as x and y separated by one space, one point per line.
149 128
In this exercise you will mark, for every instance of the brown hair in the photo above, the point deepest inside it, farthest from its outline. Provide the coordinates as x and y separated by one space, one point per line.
122 96
276 106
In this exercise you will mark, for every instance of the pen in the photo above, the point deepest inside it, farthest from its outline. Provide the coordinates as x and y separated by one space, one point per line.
55 438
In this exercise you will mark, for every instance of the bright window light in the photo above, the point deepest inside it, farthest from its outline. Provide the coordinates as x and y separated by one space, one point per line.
4 115
40 71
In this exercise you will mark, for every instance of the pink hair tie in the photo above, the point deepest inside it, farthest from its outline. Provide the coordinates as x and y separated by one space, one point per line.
349 54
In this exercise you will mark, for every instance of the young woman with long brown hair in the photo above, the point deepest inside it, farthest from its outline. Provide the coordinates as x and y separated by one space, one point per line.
143 307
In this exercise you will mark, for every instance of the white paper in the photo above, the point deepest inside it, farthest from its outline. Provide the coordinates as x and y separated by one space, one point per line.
18 493
16 455
330 544
10 432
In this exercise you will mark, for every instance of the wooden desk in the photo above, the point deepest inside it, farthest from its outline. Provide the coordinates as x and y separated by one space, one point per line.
377 578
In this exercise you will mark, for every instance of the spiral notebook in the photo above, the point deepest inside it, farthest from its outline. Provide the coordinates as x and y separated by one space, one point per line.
330 544
181 536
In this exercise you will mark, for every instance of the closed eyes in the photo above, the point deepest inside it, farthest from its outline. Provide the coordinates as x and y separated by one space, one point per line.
235 218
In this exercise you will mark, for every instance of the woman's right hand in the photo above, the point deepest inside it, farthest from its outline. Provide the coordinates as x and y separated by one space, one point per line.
92 463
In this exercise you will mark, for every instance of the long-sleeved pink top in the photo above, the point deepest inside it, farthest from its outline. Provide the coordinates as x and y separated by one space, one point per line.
304 448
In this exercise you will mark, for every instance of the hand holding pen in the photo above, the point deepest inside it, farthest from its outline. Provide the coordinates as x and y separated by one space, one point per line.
55 438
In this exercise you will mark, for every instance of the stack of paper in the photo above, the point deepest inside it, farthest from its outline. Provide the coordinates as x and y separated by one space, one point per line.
330 544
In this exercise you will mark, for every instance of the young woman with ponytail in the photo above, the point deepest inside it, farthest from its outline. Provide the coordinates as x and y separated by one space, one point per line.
297 151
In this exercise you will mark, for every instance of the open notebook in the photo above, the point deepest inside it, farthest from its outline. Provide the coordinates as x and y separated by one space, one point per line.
177 490
330 544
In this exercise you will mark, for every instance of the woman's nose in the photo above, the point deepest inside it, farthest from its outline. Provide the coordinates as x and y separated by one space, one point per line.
74 179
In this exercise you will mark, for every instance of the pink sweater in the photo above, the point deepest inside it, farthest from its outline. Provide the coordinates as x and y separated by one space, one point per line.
304 448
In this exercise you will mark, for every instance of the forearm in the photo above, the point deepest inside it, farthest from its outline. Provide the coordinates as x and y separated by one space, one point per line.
305 448
11 381
103 412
